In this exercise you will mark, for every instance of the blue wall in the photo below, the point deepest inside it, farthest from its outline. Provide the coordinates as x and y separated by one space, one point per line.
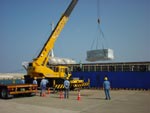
138 80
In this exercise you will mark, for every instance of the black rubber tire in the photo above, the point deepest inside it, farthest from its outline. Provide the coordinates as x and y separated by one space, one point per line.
5 94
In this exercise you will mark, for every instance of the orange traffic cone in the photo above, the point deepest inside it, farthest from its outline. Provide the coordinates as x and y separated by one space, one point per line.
36 91
61 95
48 91
43 94
79 96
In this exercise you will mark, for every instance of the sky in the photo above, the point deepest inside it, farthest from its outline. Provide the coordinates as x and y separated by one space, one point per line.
25 25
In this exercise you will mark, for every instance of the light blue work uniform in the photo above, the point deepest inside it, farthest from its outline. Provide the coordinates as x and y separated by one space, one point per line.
43 84
22 81
34 81
106 85
67 87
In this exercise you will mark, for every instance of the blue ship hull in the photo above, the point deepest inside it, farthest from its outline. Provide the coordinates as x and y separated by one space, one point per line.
121 80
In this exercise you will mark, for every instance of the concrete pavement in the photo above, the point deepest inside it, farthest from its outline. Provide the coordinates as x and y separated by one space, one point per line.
92 101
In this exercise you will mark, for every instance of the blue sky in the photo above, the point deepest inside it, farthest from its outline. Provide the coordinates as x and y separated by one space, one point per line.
25 25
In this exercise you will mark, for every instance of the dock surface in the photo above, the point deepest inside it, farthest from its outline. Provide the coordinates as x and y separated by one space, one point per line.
91 101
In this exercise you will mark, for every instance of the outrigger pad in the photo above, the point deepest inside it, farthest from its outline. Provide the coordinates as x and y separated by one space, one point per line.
100 55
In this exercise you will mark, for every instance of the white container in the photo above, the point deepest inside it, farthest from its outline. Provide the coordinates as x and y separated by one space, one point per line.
57 60
100 55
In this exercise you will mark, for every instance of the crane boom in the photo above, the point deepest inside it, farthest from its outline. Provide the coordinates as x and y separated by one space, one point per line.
38 67
41 59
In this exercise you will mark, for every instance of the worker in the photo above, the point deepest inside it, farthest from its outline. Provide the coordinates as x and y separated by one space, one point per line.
106 86
22 80
67 88
35 80
43 84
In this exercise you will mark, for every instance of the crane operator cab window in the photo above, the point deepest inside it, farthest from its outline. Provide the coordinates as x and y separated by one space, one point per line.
54 68
67 73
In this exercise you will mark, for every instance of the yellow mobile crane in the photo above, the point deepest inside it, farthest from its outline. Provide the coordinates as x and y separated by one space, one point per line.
39 66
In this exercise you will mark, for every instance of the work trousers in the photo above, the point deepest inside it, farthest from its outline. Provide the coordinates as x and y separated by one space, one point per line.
43 90
107 94
66 94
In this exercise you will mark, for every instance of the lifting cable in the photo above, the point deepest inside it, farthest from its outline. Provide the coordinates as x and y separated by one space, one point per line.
99 35
98 54
100 32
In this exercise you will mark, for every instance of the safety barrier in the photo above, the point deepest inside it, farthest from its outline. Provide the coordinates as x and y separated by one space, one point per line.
75 85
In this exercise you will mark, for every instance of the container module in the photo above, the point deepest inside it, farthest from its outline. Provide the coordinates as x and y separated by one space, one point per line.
100 55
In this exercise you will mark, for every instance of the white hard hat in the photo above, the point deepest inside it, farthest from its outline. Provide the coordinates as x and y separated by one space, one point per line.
105 78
